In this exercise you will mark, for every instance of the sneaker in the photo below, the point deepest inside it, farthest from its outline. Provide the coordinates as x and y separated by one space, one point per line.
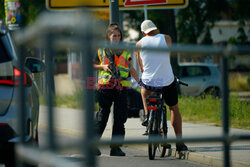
145 122
97 152
181 147
117 152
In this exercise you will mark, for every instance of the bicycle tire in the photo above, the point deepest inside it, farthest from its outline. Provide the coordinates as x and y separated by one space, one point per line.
164 131
153 130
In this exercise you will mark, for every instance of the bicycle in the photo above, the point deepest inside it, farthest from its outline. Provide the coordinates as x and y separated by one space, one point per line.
157 122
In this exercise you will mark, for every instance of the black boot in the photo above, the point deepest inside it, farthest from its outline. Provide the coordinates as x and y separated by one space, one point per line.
180 146
116 151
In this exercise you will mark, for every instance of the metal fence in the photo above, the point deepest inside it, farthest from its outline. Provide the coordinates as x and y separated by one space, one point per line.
60 31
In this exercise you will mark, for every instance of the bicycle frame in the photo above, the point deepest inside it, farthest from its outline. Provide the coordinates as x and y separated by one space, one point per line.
157 125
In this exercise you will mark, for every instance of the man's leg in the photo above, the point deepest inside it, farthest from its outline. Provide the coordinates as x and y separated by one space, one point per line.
144 94
176 120
170 96
177 125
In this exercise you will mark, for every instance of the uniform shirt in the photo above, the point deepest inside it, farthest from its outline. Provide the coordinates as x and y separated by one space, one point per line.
156 65
118 53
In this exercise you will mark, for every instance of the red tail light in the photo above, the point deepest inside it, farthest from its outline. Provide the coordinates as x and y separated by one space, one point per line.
153 100
152 108
12 81
17 72
26 79
8 80
3 124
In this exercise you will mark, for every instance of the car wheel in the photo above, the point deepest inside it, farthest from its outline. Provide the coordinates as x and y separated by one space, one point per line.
10 160
215 92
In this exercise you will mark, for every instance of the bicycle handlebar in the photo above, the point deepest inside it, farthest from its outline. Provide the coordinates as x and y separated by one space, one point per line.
181 82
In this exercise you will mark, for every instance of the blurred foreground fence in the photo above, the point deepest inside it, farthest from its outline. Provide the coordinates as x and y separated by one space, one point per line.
53 32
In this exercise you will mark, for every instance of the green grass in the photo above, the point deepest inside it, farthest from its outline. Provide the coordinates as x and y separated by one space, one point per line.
239 81
208 110
205 110
66 101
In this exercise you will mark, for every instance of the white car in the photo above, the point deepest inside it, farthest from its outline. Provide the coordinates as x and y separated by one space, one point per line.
201 78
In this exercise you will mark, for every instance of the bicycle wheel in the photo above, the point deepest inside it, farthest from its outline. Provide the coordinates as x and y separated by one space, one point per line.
153 131
164 131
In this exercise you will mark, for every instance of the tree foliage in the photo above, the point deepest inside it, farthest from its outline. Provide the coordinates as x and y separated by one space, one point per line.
2 10
200 15
198 18
164 20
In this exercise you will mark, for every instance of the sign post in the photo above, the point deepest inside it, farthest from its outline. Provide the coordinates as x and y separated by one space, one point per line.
145 12
114 11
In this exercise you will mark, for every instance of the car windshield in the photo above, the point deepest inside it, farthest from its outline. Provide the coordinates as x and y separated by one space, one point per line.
194 71
7 51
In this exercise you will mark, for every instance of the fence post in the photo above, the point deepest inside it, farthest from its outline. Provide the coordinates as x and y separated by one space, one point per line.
225 107
50 85
21 105
88 99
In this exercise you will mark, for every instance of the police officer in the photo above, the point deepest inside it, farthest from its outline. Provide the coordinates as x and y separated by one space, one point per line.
114 70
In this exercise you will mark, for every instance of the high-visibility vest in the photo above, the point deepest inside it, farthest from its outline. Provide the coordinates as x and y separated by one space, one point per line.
121 64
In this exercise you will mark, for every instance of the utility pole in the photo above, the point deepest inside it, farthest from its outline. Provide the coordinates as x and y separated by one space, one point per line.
114 11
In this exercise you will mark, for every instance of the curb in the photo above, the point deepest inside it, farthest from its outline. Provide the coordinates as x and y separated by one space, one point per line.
194 157
187 155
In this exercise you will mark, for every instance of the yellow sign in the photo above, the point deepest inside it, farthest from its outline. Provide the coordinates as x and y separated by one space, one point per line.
101 14
104 5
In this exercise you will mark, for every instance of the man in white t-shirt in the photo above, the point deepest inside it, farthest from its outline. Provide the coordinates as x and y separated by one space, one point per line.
157 73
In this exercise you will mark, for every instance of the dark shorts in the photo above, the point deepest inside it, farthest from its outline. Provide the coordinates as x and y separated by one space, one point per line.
169 93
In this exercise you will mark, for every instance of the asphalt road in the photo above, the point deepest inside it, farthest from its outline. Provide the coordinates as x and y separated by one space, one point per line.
69 121
134 157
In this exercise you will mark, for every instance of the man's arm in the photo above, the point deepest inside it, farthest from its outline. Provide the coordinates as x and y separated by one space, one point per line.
137 53
168 40
133 72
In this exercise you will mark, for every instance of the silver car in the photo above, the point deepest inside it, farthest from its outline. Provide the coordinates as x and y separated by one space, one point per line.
9 80
201 78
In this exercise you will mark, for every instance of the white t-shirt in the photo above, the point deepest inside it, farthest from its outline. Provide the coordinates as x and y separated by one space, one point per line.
156 65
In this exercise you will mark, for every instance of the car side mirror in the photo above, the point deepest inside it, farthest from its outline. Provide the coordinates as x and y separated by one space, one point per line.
34 65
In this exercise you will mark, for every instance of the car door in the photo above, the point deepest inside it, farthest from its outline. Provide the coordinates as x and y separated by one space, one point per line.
7 53
6 86
196 77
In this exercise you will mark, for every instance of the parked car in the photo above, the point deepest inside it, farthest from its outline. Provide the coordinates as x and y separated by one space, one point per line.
201 78
10 76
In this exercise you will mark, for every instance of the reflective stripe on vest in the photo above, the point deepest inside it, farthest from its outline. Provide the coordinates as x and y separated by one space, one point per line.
121 65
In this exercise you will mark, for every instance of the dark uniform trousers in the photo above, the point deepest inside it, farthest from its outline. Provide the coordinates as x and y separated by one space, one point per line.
106 97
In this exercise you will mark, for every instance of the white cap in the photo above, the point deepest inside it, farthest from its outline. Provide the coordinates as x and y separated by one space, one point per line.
147 26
